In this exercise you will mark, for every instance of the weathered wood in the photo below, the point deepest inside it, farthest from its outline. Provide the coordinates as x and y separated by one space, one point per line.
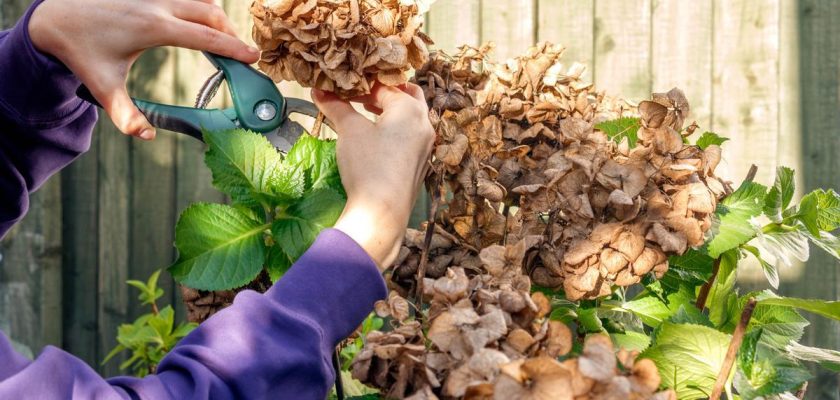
113 252
453 23
572 24
510 24
745 91
681 53
622 48
819 64
152 177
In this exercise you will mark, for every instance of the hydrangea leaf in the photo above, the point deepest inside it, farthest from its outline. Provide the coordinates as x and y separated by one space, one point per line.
688 357
315 158
300 224
732 226
219 247
819 211
828 359
770 374
709 138
621 128
780 194
246 166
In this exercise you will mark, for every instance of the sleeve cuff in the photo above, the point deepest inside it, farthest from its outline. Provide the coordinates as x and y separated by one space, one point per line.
335 284
37 90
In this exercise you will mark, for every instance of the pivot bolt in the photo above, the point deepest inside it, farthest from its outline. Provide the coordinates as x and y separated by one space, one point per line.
265 110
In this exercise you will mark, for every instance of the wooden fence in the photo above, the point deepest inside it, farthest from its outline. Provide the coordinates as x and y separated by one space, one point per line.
764 72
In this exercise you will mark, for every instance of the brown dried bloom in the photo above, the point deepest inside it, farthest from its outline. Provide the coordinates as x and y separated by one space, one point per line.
341 46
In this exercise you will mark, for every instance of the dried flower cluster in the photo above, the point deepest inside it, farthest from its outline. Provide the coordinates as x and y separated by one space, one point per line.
520 153
341 46
491 338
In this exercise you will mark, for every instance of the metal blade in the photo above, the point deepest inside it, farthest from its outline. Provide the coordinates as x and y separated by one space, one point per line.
284 137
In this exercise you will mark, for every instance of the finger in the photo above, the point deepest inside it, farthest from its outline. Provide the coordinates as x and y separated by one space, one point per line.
203 12
125 115
340 112
385 97
195 36
414 91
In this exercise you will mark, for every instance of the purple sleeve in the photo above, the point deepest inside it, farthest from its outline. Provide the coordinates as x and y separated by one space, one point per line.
277 345
43 125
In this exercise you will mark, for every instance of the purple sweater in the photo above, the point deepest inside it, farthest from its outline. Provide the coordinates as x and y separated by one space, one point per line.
277 345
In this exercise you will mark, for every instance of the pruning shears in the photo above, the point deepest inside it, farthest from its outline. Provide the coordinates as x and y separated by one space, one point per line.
257 106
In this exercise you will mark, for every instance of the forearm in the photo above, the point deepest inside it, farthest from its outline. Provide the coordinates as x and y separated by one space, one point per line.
276 345
43 124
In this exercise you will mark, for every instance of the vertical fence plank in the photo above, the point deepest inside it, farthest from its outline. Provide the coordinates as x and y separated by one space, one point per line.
622 48
510 24
819 63
745 92
453 23
80 223
572 24
114 227
152 178
681 48
30 255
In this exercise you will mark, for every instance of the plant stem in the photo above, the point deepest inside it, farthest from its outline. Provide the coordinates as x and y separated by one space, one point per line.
800 394
734 345
703 296
435 192
751 174
155 310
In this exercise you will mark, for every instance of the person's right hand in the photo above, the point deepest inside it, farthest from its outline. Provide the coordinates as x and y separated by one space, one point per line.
382 164
99 40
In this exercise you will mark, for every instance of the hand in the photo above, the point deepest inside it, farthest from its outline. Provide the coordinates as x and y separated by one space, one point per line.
382 164
99 40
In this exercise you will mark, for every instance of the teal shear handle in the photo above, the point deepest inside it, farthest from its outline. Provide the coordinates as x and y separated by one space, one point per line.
257 104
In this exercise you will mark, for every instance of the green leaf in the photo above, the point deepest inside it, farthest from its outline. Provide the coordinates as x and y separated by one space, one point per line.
746 354
629 340
693 268
654 311
785 245
723 296
828 359
244 165
780 325
301 223
771 373
277 263
621 128
827 309
354 388
710 138
780 194
219 247
770 270
819 211
828 242
315 158
589 321
732 226
688 357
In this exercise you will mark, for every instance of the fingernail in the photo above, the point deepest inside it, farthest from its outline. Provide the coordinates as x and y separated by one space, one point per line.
147 134
253 50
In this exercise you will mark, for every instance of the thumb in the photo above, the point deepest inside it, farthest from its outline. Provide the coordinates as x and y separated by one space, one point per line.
123 112
340 112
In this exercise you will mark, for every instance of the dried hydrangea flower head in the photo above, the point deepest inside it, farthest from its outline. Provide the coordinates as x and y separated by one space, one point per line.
522 158
341 46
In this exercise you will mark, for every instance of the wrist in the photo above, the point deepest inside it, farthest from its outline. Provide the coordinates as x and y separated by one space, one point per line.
378 232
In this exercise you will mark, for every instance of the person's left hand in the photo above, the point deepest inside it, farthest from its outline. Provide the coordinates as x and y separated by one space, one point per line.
99 40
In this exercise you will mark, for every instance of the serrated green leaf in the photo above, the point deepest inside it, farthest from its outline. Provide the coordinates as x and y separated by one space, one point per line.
316 159
219 247
654 311
772 374
723 297
688 357
828 242
621 128
780 194
303 221
244 165
827 309
732 226
589 321
785 245
688 314
709 138
819 211
692 268
780 325
828 359
277 263
634 341
746 354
